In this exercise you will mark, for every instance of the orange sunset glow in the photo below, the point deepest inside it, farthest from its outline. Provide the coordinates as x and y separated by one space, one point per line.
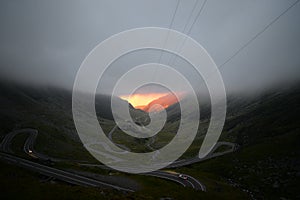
145 101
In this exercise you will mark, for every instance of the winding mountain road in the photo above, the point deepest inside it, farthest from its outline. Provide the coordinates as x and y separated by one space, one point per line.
69 177
212 154
59 174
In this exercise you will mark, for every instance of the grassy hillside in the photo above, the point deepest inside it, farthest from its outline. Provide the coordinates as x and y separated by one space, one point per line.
265 126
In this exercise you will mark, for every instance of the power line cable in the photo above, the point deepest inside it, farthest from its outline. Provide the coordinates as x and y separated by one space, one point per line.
197 17
258 34
190 29
187 22
191 14
170 26
165 41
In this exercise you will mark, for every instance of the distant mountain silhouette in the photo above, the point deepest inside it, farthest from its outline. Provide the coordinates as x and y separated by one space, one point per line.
27 98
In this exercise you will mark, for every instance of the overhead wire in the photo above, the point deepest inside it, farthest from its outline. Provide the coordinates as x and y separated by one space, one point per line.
257 35
170 26
190 29
166 39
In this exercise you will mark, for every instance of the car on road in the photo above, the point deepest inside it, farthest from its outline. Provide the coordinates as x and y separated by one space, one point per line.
184 177
29 151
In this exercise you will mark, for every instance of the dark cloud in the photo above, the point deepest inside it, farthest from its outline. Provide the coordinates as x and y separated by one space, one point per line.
44 42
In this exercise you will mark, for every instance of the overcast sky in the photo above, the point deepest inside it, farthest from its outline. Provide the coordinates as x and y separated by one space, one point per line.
44 42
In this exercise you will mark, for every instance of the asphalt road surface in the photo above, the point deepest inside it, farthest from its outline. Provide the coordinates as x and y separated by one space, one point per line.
59 174
189 182
69 177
